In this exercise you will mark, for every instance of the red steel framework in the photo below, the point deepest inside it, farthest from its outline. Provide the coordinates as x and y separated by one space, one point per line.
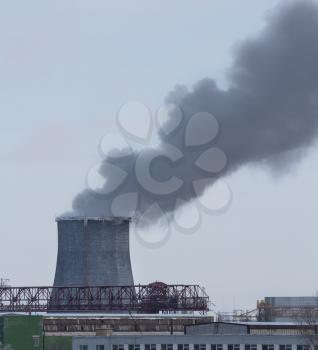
151 298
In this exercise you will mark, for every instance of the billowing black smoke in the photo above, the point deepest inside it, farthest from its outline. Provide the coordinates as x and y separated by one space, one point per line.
268 114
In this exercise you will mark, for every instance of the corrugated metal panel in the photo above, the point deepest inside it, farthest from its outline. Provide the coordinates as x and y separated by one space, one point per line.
292 301
217 328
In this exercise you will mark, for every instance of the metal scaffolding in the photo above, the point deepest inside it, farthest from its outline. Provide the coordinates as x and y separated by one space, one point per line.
151 298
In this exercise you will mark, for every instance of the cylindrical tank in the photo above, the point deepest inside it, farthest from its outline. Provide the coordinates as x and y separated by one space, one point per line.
93 252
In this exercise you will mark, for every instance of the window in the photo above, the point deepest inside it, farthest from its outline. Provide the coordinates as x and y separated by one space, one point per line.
199 347
285 347
150 346
183 346
233 347
250 346
100 347
216 346
133 347
302 347
83 347
36 340
267 347
169 347
118 347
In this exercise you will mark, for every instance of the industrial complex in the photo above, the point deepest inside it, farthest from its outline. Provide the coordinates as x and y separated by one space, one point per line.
94 304
64 67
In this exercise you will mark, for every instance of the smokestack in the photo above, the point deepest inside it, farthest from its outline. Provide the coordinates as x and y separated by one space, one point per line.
93 251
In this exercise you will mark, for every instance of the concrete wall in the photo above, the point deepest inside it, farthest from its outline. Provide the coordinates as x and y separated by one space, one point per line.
93 252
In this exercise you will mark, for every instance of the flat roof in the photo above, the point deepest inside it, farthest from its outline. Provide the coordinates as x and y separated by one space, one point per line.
120 316
258 324
92 218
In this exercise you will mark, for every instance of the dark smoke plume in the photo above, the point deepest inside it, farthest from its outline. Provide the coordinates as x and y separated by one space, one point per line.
268 114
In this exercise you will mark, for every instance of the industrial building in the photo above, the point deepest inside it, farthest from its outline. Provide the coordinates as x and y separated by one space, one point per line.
95 305
213 336
282 309
150 332
94 274
58 332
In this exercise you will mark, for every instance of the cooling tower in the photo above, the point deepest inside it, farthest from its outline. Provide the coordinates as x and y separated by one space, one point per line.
93 252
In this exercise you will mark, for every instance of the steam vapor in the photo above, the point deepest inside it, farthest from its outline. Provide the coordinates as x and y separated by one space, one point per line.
268 114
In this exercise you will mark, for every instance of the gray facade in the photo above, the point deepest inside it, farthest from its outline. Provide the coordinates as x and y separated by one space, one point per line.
292 301
190 342
287 309
217 328
93 252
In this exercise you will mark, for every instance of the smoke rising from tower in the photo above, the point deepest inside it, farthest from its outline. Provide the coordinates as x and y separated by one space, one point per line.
268 114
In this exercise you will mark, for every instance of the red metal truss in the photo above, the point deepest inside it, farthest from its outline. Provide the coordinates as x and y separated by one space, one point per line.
151 298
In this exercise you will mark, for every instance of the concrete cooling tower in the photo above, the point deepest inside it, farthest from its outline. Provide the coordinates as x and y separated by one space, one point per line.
93 252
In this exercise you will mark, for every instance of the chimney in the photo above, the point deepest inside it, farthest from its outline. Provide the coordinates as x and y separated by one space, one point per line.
93 251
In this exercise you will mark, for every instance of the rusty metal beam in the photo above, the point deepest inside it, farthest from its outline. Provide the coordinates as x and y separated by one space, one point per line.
151 298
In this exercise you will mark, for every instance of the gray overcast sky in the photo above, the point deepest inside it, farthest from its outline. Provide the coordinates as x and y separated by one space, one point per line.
65 68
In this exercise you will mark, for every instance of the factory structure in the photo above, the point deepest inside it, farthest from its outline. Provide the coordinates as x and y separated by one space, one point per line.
92 252
94 304
151 332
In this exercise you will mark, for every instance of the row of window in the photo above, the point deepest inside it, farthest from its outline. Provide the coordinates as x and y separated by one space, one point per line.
199 347
98 347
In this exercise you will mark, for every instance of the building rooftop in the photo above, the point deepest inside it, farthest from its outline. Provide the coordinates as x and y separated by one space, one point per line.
92 218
